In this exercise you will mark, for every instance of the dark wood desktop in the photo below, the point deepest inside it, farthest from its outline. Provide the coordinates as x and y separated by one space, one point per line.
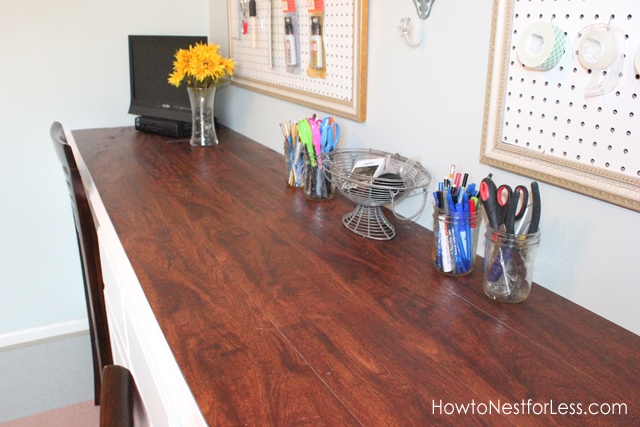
277 315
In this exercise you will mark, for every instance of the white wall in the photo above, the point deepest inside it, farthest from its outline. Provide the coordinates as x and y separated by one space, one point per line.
428 102
64 60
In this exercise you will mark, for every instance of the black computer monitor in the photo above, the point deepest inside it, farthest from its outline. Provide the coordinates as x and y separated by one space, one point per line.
150 63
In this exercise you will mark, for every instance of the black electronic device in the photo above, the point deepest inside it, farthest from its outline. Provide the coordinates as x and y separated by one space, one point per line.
165 109
163 126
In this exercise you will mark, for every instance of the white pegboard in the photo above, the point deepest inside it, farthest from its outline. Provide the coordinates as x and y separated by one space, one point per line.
338 33
548 112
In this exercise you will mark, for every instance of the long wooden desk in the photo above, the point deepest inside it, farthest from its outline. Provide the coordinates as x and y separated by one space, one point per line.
275 314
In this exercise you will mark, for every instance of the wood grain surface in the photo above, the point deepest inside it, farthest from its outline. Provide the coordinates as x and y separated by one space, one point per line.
279 316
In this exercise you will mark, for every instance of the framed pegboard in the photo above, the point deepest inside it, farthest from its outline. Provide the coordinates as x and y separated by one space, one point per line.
261 64
568 122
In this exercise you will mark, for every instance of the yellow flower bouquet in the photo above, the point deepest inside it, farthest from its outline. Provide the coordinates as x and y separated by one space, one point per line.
200 66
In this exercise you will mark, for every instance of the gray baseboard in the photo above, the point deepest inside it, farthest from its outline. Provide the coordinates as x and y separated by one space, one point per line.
44 375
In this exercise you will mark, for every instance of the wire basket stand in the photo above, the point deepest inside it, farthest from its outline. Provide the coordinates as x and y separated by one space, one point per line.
370 193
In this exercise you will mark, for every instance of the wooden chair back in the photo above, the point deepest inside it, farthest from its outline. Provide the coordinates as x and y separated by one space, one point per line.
89 258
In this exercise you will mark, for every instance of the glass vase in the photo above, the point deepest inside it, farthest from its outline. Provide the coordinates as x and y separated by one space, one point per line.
203 131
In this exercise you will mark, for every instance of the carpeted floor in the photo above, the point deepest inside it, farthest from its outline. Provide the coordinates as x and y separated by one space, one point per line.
84 414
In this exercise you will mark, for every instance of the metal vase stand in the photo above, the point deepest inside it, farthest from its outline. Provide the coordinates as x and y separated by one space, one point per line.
399 178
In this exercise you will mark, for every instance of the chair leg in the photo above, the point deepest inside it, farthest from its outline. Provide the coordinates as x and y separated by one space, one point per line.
118 388
97 380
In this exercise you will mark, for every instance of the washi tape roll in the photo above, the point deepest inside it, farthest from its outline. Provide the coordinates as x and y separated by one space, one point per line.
541 46
598 49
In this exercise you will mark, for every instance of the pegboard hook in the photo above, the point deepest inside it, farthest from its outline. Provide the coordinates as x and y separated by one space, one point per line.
423 7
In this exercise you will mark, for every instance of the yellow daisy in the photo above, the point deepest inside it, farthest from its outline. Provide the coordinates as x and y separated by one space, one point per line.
200 65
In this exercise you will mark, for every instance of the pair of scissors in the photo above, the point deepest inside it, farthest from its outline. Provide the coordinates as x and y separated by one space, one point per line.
503 205
489 198
316 136
306 137
330 134
513 204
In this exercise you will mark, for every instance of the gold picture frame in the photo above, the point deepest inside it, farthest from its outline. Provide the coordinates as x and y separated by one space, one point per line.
354 107
597 182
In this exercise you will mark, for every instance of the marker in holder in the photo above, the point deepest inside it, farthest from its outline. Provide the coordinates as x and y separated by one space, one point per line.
455 240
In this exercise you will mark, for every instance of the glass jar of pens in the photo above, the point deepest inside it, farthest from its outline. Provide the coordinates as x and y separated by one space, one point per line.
512 239
457 217
456 227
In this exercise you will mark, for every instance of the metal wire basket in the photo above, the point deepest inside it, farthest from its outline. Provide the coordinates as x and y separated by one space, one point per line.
400 177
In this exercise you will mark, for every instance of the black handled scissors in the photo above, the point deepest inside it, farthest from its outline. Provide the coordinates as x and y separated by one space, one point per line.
505 196
503 205
535 217
489 198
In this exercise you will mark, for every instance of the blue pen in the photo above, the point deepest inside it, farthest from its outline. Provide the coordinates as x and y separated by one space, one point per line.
471 190
466 213
452 206
455 235
462 233
452 233
461 192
